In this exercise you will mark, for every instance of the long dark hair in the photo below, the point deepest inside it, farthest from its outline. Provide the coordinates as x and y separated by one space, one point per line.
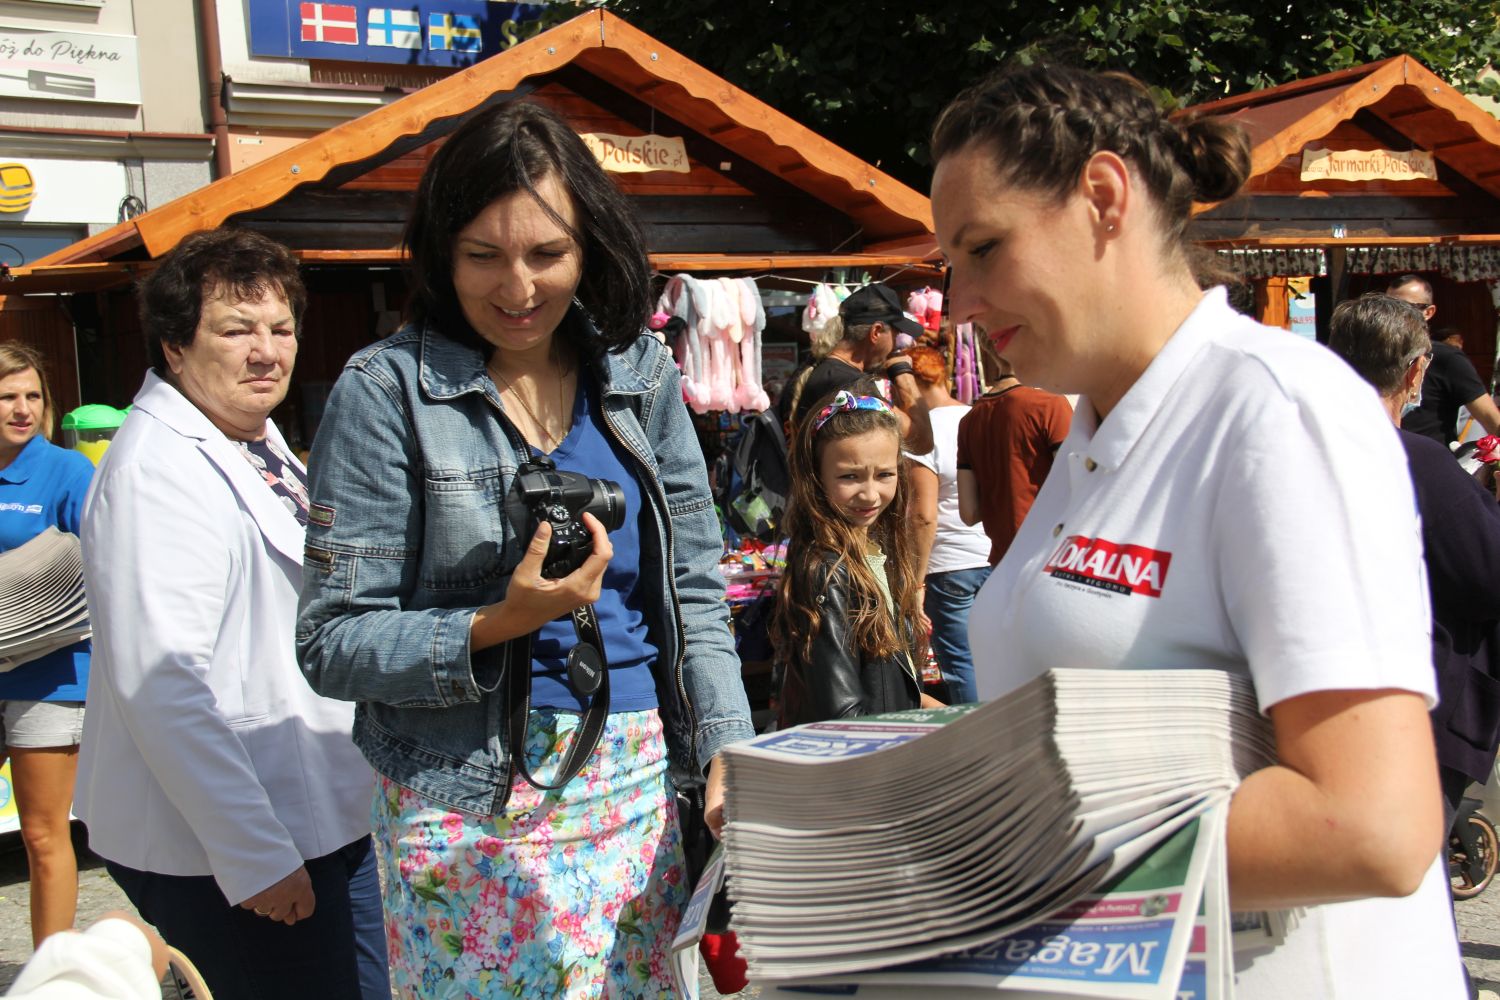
815 530
508 148
1041 123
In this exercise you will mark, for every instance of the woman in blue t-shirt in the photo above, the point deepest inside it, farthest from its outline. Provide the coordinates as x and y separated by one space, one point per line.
41 702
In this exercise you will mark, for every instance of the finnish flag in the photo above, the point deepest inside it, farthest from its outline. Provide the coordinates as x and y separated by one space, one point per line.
396 29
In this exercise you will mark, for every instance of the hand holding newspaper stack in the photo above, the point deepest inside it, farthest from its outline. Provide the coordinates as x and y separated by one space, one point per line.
1066 840
42 606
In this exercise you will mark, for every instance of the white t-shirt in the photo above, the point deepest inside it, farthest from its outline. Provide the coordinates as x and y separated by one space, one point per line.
1245 506
957 545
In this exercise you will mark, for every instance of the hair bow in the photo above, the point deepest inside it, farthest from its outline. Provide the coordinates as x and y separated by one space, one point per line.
846 401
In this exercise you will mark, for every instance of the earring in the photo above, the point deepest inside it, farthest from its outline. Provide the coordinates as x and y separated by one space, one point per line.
1109 228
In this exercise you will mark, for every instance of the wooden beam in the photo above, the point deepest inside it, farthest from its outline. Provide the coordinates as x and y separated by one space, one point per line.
1251 243
440 128
1327 81
117 239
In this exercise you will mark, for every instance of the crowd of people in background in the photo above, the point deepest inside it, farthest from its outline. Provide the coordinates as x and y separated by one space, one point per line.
399 657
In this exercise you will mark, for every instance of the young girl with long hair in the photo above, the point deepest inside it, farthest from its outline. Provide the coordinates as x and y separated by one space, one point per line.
851 595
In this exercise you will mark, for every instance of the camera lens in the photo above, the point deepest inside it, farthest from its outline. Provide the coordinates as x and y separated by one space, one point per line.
607 504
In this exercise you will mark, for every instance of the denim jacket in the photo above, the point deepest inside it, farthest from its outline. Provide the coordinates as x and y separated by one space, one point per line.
408 539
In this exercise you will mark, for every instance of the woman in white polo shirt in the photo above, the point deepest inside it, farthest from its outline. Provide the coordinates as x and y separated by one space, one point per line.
1266 510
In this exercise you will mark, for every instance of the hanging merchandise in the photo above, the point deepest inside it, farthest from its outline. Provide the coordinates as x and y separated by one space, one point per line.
926 304
750 394
822 309
683 298
719 352
963 363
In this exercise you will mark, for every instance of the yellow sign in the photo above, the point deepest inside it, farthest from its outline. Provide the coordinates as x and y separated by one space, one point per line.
1367 165
17 189
638 154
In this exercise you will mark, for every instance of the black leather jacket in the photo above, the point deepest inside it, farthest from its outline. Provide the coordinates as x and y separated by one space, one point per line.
840 681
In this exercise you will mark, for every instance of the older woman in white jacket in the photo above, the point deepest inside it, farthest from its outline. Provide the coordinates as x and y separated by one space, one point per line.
226 797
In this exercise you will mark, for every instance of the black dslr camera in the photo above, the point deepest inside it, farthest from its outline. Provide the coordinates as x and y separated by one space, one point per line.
543 492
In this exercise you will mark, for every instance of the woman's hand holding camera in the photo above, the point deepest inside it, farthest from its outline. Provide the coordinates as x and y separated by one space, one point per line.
533 600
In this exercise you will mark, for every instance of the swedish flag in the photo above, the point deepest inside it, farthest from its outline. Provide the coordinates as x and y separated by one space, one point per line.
453 33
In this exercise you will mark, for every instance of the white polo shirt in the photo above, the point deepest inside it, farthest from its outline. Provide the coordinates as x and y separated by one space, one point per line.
1245 506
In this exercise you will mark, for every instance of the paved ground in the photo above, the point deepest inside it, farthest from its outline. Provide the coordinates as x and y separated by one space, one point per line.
1478 920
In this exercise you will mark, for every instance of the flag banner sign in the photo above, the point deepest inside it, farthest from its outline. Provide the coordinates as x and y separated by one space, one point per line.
448 33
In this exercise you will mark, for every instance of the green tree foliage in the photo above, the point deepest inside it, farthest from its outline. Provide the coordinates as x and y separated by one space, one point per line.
871 75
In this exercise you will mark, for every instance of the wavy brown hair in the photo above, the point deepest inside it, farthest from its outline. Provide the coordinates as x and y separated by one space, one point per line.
815 530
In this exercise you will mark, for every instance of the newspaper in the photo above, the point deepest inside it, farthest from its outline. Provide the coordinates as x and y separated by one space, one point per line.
865 847
694 924
1144 936
42 606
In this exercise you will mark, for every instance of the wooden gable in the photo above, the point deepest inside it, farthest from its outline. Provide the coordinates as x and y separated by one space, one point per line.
762 191
1395 105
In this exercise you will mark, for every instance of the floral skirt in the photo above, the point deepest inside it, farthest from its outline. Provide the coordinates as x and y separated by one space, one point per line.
571 893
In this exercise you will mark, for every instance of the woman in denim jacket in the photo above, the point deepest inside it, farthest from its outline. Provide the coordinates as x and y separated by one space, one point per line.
530 287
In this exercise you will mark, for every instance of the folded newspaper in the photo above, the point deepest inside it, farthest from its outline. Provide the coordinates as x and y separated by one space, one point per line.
1066 840
42 606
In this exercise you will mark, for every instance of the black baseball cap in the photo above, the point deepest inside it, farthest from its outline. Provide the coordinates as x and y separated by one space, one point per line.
877 303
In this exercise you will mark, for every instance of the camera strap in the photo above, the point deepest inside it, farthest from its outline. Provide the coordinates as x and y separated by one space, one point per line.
588 672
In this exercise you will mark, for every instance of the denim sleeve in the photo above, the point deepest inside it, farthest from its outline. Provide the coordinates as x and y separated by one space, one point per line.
356 638
711 668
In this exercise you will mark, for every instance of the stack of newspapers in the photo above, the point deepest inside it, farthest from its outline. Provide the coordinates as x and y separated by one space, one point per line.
1065 840
42 606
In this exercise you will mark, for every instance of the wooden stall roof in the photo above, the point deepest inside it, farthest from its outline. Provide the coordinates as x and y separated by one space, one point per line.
1396 103
895 222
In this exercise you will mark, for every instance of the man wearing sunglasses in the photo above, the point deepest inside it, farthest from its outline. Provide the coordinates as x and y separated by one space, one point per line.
1451 380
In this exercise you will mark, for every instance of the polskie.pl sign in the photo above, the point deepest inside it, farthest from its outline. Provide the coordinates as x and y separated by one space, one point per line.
69 66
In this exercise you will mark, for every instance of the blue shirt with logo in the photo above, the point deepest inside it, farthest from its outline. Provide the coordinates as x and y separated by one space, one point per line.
591 450
44 487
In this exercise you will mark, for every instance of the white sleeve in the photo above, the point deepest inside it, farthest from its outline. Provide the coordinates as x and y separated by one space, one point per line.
1318 546
109 961
159 566
927 461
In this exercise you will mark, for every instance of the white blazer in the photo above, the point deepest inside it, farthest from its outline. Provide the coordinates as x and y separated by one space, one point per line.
204 750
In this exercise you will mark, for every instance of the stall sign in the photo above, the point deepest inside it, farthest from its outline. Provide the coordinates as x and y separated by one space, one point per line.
1368 165
68 66
452 33
638 154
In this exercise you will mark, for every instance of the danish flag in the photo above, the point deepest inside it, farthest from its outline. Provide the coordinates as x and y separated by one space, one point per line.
330 22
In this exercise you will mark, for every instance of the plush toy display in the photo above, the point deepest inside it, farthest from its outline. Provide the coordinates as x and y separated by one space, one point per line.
719 353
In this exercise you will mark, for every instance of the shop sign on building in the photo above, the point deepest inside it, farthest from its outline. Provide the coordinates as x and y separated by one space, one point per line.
638 154
410 32
17 188
1368 165
69 66
71 191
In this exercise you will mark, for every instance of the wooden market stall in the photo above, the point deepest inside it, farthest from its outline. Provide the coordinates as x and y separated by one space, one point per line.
1358 176
737 187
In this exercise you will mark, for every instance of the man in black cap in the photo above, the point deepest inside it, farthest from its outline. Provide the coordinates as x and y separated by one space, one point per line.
871 317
